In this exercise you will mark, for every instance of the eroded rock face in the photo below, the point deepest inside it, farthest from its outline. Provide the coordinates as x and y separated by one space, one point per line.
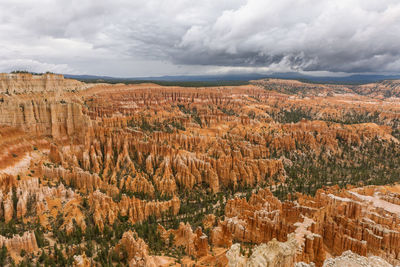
284 254
221 235
195 243
349 258
274 253
17 243
81 261
54 118
136 249
361 220
247 224
41 105
115 156
83 180
377 90
171 168
106 210
209 221
21 83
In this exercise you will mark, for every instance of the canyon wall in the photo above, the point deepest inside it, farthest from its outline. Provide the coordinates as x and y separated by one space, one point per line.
57 119
21 83
236 175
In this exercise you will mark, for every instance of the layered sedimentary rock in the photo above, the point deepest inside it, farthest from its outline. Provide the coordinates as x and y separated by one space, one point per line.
258 220
209 221
41 117
274 253
195 243
170 168
207 165
389 88
221 235
360 220
81 261
136 249
349 258
17 151
17 243
106 210
83 180
33 199
42 105
20 83
381 89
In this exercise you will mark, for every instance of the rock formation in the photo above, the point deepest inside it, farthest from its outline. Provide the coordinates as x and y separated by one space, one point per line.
106 210
195 243
21 83
136 249
274 253
349 258
271 173
45 118
17 243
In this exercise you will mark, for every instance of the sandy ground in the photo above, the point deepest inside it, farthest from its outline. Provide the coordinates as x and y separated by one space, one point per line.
22 165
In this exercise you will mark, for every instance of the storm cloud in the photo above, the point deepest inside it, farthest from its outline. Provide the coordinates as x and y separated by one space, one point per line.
165 37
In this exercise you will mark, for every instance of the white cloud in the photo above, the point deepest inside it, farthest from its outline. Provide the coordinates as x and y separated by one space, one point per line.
142 38
347 35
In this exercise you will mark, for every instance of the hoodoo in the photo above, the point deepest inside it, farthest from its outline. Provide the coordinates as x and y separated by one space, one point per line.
150 175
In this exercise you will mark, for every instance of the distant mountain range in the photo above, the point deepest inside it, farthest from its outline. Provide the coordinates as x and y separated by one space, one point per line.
243 77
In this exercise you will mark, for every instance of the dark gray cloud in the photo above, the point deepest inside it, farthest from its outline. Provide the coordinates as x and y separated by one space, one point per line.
157 37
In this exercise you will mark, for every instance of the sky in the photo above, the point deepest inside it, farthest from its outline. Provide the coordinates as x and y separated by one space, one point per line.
132 38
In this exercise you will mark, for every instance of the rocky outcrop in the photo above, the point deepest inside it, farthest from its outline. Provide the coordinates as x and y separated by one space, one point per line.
106 210
171 168
81 261
381 89
77 178
349 258
257 221
8 206
195 243
34 199
209 221
136 249
139 184
333 220
58 119
115 155
21 83
47 110
350 222
221 235
274 253
17 243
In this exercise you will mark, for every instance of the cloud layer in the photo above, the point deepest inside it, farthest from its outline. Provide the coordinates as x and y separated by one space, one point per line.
158 37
